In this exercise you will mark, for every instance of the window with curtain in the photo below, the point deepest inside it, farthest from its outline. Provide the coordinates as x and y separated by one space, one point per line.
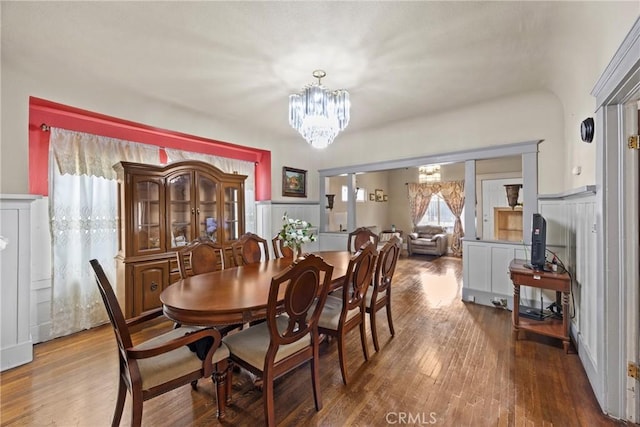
83 203
438 213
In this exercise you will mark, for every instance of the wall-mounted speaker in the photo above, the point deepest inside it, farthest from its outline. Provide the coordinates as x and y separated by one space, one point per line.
586 129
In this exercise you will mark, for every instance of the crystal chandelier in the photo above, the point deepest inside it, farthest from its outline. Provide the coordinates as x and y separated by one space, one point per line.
318 113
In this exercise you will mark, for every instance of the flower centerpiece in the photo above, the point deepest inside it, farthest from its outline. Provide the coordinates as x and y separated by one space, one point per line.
295 233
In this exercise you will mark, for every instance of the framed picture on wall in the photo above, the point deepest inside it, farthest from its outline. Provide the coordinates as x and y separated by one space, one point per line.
379 195
372 197
294 182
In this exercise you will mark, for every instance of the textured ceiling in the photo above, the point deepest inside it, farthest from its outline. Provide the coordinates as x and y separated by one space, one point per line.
239 61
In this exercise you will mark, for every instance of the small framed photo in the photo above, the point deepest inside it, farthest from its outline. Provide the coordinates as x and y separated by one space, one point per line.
379 195
294 182
372 197
385 198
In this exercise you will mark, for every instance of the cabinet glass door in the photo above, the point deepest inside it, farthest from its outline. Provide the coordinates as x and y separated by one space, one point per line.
146 215
208 221
180 209
232 211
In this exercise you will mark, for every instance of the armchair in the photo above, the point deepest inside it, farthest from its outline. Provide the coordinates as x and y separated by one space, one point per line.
428 240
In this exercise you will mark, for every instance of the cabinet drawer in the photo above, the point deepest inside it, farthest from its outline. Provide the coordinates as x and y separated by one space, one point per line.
149 279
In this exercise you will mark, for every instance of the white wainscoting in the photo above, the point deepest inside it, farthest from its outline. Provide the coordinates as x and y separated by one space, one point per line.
41 278
571 222
269 219
16 344
572 235
485 271
333 241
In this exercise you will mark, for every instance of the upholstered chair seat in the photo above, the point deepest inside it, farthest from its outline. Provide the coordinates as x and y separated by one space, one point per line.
379 297
330 316
167 366
251 344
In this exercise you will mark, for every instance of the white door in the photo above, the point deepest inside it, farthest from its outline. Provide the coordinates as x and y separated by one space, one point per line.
494 195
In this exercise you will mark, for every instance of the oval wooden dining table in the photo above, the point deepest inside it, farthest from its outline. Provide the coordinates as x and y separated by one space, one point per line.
235 295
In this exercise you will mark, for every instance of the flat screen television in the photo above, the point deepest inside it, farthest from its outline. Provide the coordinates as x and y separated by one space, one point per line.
538 242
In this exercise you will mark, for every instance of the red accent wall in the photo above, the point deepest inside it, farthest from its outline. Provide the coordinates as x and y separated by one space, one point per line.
53 114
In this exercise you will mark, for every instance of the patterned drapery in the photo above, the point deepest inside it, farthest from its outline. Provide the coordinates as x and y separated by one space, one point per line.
453 194
419 198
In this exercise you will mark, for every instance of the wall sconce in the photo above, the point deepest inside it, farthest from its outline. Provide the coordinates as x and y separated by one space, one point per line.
330 198
513 193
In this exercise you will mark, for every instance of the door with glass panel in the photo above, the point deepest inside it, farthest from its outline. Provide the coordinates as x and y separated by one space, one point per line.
180 209
206 207
146 215
233 221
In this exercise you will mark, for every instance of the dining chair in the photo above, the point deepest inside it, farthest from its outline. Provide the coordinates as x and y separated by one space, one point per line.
289 337
343 314
249 249
279 250
379 295
163 363
200 256
360 236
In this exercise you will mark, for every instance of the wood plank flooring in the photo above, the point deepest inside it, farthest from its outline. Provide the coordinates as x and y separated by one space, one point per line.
451 364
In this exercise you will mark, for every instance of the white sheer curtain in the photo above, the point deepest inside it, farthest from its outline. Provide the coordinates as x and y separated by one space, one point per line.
229 166
83 204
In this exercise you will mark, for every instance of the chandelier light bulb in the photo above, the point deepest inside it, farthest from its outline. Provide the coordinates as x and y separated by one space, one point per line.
319 114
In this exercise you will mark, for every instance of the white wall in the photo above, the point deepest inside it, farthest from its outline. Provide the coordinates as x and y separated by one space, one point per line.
524 117
593 41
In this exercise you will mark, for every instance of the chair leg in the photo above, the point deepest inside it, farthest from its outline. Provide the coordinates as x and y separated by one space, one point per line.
363 339
315 379
194 384
374 330
230 369
341 357
219 378
136 408
267 396
122 395
393 333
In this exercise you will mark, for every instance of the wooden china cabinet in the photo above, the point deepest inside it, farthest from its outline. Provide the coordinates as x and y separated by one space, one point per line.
161 209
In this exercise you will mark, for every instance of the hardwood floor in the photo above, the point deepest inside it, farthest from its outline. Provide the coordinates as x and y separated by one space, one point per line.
451 363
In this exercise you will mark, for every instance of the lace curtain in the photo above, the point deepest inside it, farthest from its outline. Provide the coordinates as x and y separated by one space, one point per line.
453 194
83 204
229 166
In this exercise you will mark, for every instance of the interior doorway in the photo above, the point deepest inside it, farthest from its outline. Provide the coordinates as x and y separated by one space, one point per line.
494 196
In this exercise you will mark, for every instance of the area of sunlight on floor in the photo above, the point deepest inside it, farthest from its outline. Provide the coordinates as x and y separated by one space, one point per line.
441 290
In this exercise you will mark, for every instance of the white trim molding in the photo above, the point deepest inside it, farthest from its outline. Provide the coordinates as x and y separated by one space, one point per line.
616 206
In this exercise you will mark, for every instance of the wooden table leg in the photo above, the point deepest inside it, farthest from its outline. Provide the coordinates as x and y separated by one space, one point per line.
565 321
516 310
